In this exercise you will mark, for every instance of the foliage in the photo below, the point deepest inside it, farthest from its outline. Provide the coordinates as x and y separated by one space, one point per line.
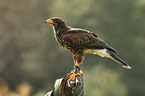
101 81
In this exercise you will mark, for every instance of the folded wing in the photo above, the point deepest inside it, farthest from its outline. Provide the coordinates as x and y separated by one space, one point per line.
85 40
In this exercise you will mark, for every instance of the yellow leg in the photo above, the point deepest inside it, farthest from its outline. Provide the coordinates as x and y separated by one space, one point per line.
77 65
76 72
73 76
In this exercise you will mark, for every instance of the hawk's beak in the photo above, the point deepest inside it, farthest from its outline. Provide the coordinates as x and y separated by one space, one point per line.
49 21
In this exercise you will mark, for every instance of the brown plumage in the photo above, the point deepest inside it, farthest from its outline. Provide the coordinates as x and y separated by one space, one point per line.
81 41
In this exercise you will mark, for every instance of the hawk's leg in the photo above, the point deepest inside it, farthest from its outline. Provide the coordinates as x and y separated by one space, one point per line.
78 59
75 72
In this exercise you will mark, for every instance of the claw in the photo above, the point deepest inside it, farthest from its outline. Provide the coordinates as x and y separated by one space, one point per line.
73 76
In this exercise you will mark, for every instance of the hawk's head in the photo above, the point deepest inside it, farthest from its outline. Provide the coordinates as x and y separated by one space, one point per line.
55 21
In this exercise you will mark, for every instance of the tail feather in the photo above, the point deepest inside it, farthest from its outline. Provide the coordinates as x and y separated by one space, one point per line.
111 49
118 60
109 54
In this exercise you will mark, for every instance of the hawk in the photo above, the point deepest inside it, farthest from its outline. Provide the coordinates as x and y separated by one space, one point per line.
80 42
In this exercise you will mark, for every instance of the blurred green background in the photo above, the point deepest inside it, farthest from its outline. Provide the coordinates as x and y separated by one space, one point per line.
31 60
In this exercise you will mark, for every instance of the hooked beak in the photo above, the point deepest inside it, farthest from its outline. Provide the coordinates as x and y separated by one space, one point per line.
49 21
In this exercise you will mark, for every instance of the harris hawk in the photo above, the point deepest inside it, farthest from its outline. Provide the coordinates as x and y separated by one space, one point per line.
80 42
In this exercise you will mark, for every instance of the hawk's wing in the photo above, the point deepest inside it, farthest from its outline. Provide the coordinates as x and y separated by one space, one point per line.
84 39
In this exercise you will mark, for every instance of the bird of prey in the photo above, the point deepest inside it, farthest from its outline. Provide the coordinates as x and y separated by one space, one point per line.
80 42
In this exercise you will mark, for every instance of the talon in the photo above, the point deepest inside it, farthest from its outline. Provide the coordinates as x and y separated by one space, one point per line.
73 76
